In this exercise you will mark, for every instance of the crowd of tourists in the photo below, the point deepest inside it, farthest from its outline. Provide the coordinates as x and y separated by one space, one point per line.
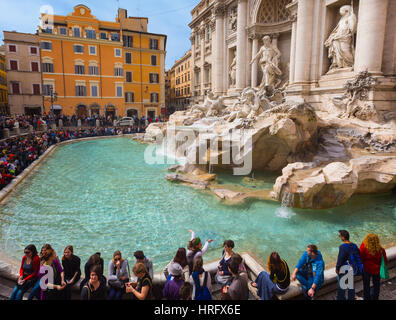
187 279
17 153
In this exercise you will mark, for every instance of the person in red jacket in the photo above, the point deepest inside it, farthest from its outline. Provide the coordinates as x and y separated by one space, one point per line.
371 254
27 274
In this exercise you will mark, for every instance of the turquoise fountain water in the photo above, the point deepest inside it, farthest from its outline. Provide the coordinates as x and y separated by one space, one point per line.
100 195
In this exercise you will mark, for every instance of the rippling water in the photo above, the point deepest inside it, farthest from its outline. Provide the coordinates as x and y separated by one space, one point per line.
100 195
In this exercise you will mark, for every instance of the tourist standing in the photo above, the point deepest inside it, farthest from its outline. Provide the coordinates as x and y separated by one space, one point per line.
275 282
348 255
371 254
181 259
201 281
28 272
142 289
310 271
223 275
172 287
147 261
186 291
238 289
118 276
95 287
71 266
195 249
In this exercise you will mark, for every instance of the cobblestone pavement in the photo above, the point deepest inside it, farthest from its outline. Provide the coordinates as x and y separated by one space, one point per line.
387 291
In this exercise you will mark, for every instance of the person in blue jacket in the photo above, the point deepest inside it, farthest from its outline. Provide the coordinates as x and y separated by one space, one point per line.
310 271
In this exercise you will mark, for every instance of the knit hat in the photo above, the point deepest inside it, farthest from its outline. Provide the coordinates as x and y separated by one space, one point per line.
175 269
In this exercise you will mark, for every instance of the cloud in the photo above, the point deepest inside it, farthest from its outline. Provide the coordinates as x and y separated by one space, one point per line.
170 17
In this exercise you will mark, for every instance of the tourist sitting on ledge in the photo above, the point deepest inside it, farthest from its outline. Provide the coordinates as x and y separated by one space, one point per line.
276 282
118 276
181 259
310 272
27 274
195 249
143 288
71 266
172 287
148 263
95 288
95 259
238 289
223 275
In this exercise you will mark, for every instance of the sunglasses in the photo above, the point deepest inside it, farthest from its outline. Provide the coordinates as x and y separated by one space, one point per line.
27 252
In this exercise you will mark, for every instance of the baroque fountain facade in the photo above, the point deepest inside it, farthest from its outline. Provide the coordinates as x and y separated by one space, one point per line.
308 86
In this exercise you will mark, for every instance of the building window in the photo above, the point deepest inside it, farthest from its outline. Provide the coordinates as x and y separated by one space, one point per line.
154 78
46 45
47 88
94 91
119 91
48 67
207 33
129 97
117 52
36 89
90 34
81 91
128 41
93 70
92 50
153 60
79 69
118 72
76 32
197 39
115 37
78 48
14 65
103 36
63 31
35 66
33 51
12 48
154 97
15 88
47 30
128 76
128 57
207 75
154 44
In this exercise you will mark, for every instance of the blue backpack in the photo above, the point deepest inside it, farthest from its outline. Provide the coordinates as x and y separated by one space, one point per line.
354 260
203 291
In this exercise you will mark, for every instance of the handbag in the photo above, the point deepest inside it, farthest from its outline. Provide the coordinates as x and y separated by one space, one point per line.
384 273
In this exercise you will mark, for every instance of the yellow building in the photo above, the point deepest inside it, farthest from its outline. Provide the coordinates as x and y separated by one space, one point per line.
90 64
181 83
4 109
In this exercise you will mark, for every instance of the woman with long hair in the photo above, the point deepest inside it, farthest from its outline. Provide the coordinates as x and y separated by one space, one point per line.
181 259
277 281
223 275
200 279
95 287
71 266
118 276
30 266
371 254
142 289
195 249
56 284
93 260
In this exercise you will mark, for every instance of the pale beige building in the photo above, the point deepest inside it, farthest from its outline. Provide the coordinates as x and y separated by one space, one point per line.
22 52
311 62
181 82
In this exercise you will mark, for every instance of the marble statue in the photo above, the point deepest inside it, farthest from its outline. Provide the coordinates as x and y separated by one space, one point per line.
211 107
232 72
340 41
269 58
233 20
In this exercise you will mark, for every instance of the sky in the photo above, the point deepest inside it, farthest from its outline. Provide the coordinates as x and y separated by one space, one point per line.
169 17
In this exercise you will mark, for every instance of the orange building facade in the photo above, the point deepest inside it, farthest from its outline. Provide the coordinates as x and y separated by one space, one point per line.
95 68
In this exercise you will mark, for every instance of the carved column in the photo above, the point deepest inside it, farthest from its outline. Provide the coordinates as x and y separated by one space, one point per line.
371 35
202 38
255 49
305 19
219 49
241 45
192 66
292 65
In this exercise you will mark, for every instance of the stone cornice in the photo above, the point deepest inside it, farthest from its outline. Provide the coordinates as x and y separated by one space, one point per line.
263 29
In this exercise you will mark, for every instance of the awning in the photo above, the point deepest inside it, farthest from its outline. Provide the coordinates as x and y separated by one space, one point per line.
56 107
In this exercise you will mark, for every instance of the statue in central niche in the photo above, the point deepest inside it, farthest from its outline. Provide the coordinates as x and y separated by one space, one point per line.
340 41
269 58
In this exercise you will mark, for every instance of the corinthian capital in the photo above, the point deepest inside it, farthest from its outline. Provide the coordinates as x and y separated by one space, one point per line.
219 10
